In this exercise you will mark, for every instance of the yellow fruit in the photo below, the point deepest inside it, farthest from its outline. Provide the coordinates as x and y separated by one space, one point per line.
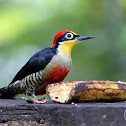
87 91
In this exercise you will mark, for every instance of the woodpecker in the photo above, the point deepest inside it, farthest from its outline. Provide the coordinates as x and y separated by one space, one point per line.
50 65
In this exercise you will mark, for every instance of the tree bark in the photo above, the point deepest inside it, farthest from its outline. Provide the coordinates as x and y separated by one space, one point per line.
20 113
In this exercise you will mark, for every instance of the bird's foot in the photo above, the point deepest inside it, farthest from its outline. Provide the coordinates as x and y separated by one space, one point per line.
33 95
36 101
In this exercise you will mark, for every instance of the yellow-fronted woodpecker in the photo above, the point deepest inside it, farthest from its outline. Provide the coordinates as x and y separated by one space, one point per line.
47 66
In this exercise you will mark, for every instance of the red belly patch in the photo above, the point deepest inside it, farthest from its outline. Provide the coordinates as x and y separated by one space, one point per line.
57 74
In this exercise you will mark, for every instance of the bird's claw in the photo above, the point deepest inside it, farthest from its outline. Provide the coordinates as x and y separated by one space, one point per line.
36 101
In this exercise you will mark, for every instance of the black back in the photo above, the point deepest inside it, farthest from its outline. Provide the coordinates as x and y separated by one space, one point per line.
36 63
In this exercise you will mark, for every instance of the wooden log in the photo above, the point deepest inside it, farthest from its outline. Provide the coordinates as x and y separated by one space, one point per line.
19 112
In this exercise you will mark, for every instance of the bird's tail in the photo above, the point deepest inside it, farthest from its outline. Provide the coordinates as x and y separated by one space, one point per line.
5 93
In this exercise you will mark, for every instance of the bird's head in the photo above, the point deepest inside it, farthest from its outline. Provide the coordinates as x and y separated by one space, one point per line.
65 40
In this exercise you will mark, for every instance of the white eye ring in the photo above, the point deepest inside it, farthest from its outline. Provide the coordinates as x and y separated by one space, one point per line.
69 35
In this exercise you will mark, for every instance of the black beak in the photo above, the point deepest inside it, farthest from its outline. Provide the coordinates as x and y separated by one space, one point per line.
80 38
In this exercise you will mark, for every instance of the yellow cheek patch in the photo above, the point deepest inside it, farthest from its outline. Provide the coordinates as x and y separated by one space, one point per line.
67 46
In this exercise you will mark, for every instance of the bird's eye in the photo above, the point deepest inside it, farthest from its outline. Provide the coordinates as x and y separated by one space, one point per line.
69 36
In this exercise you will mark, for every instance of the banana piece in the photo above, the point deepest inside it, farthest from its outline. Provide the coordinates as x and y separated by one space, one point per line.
87 91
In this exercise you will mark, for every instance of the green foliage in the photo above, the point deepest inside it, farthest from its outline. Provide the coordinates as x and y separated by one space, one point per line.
29 26
26 96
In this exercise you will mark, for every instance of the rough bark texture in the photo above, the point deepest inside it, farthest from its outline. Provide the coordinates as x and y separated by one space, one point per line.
20 113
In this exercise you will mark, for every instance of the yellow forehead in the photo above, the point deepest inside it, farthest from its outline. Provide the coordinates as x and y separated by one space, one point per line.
73 33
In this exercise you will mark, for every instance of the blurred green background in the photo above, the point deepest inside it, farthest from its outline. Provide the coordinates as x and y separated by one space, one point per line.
27 26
